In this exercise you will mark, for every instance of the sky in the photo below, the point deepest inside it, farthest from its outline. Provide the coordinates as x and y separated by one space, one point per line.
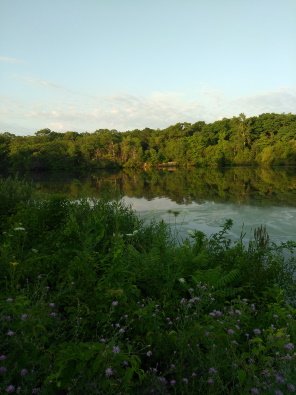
83 65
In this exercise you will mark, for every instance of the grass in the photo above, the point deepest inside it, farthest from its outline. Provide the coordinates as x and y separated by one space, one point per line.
94 300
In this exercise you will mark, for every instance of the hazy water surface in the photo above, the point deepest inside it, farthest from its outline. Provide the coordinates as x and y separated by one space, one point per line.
204 198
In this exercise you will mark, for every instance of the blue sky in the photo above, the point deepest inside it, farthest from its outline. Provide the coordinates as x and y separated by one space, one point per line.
124 64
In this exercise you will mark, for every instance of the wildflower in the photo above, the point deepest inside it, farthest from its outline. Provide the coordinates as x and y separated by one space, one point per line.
10 333
291 387
10 388
287 357
72 283
289 346
116 350
238 312
14 263
230 331
35 390
210 381
126 316
24 316
278 392
8 318
24 372
182 300
3 369
182 280
47 288
51 305
265 373
115 303
121 330
193 374
9 300
149 353
19 228
275 316
162 380
207 333
255 391
39 277
2 357
212 371
173 366
279 379
234 342
124 363
109 372
257 331
34 250
185 380
191 290
103 340
53 314
172 382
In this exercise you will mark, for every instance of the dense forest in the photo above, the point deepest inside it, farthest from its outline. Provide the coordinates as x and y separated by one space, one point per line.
265 140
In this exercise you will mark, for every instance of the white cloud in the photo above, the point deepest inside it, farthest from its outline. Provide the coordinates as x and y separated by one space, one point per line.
83 112
10 60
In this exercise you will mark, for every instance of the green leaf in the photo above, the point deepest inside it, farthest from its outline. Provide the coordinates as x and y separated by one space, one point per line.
242 376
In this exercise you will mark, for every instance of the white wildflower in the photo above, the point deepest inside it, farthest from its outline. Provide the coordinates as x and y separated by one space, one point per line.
182 280
19 228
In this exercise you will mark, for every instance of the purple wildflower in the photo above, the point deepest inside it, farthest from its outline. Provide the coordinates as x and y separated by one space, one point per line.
24 316
3 369
185 380
10 333
39 277
257 331
210 381
287 357
109 372
103 340
35 390
10 388
24 372
162 380
289 346
279 379
115 303
291 387
212 371
124 363
51 304
255 391
238 312
230 331
193 374
275 316
172 382
121 330
2 357
278 392
149 353
53 314
265 372
9 300
116 350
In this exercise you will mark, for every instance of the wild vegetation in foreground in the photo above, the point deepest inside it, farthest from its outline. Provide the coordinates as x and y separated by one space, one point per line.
94 300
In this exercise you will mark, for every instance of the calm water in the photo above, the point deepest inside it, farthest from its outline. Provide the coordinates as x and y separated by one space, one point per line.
204 198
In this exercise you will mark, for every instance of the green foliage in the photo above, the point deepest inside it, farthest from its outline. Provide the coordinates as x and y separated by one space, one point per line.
92 299
266 140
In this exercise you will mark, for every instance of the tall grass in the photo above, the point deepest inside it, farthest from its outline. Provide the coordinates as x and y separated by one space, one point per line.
94 300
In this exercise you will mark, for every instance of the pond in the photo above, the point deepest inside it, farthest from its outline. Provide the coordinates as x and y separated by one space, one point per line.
194 199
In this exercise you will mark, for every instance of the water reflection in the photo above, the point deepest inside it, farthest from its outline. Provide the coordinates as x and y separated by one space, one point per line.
183 186
250 197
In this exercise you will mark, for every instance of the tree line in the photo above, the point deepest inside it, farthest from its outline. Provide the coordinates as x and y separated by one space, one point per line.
265 140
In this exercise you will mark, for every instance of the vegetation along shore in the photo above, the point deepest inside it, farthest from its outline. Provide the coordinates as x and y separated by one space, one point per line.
95 300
